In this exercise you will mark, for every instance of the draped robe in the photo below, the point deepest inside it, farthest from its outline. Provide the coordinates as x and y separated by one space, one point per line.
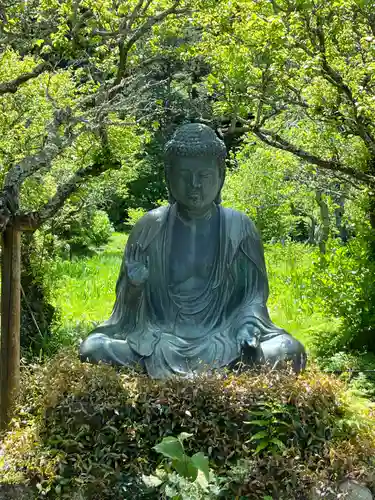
188 331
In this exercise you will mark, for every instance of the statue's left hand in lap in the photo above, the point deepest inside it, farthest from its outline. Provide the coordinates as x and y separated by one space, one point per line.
192 290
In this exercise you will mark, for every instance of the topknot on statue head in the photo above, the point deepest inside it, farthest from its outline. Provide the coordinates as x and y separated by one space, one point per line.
195 139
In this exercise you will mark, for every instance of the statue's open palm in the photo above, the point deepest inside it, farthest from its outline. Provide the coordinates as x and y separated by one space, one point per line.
137 270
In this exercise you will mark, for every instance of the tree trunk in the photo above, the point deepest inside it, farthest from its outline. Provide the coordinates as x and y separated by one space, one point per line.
371 215
324 217
312 230
372 211
339 214
371 208
10 323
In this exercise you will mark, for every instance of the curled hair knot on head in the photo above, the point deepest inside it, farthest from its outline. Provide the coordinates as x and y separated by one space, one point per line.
195 139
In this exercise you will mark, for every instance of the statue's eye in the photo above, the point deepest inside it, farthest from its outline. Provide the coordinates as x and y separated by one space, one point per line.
205 175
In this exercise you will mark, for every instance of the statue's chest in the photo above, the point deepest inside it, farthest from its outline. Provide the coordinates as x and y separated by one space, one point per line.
193 251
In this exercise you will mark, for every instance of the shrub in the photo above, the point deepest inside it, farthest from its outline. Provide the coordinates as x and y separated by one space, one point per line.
93 428
82 229
327 302
134 214
342 282
101 229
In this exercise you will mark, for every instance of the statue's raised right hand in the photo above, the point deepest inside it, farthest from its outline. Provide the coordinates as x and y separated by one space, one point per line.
136 270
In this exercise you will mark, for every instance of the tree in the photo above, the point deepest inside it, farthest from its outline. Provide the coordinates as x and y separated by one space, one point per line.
94 48
269 188
303 71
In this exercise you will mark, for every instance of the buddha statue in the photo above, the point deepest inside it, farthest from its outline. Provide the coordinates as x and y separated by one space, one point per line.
192 290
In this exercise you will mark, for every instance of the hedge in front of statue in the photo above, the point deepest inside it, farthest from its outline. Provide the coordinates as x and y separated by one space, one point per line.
93 428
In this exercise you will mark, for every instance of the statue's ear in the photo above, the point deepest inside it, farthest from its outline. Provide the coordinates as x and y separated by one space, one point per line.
171 199
222 174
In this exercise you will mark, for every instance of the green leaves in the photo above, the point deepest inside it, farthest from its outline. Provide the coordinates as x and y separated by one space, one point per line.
171 447
201 463
187 467
270 62
258 435
274 427
99 425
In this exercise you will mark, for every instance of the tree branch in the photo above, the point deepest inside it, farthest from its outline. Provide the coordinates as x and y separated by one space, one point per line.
125 47
134 15
12 86
333 77
53 147
275 140
33 220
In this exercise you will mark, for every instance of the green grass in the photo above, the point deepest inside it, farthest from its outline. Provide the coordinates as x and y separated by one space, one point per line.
84 291
290 304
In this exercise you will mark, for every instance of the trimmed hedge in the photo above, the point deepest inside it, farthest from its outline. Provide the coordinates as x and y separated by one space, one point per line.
92 429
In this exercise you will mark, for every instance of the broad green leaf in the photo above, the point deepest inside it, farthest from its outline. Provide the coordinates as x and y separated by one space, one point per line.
201 463
259 435
261 413
186 468
257 422
278 443
261 446
170 447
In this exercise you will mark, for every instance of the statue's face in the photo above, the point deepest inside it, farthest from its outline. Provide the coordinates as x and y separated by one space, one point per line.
195 182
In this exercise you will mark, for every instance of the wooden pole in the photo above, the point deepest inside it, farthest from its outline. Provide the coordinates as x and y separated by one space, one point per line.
10 323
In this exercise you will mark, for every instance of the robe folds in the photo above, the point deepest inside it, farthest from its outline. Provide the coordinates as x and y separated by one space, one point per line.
178 332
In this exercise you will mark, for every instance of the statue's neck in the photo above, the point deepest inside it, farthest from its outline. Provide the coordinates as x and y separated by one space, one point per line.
189 215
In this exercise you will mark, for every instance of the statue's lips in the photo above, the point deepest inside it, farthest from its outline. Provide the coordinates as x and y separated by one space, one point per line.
194 196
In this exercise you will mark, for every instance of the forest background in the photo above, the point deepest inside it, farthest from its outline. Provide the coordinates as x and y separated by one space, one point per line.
91 90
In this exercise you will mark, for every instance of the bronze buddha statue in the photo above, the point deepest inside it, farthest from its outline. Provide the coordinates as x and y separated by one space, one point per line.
192 290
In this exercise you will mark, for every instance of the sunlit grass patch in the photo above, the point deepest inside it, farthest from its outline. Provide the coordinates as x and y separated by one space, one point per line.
84 289
290 304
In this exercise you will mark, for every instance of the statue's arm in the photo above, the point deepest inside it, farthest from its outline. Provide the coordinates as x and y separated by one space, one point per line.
250 268
251 247
133 274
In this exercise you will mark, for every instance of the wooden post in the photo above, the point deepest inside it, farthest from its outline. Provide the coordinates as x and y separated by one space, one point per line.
10 323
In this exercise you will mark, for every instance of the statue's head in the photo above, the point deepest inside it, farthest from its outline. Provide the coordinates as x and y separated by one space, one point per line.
195 166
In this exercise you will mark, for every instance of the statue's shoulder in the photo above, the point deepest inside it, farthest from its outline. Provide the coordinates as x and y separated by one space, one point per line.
239 225
154 217
148 226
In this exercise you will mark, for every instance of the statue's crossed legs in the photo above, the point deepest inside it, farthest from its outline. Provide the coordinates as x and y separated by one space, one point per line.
275 352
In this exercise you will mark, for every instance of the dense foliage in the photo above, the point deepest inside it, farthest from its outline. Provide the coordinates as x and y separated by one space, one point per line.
92 428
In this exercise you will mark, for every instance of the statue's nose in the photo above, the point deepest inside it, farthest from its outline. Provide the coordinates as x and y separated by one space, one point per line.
196 182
